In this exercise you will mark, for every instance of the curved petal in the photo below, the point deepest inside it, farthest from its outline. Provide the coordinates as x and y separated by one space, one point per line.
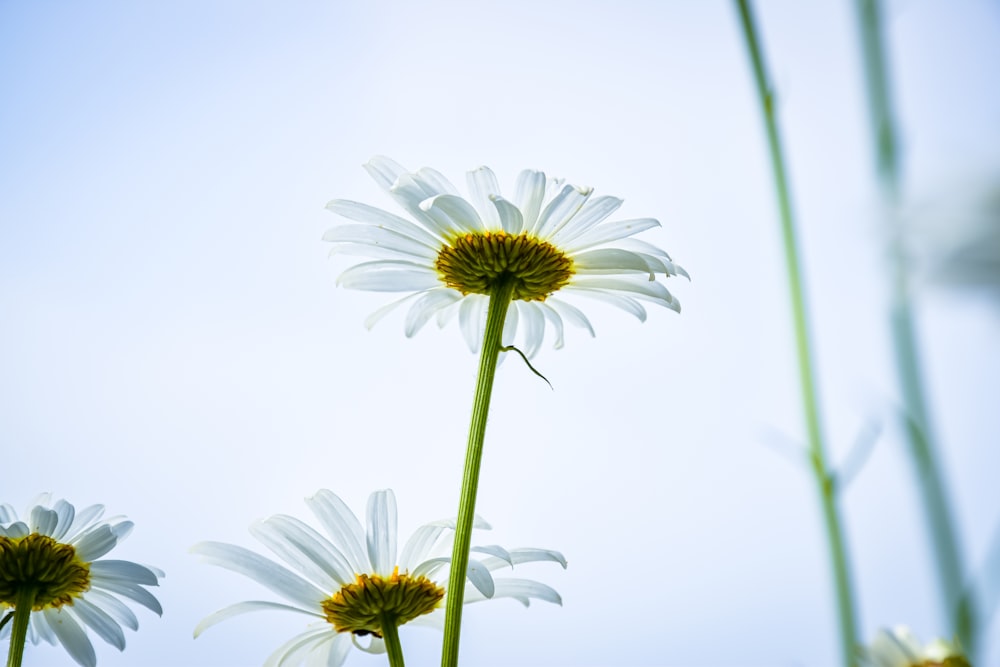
471 317
429 303
561 210
611 231
593 212
419 546
518 556
571 313
626 303
483 185
113 606
511 220
533 324
100 622
552 315
43 520
342 525
647 289
382 531
610 261
131 591
305 550
123 570
373 237
375 317
245 608
359 212
292 652
529 196
454 213
95 543
71 636
384 171
389 276
262 570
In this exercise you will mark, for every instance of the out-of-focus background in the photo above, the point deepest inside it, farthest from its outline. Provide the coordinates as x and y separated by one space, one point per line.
172 343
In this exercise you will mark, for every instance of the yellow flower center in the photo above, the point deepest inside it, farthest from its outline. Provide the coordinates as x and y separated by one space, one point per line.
474 263
52 569
363 606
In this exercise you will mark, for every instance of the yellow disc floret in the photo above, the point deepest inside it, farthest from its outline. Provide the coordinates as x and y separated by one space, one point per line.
50 568
475 263
363 606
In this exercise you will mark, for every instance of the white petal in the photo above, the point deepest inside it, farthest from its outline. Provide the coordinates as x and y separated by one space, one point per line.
477 574
570 313
434 182
626 303
100 622
495 550
553 316
510 324
511 219
262 570
561 209
533 324
353 210
593 212
389 276
66 513
377 238
529 196
95 543
71 636
647 289
342 525
83 520
409 194
245 608
425 307
292 652
524 590
453 213
123 570
382 531
384 170
518 556
43 520
7 513
471 319
483 185
610 260
131 591
419 546
611 231
332 653
375 317
305 550
113 606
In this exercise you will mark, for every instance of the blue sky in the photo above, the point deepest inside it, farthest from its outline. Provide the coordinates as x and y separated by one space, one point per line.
174 346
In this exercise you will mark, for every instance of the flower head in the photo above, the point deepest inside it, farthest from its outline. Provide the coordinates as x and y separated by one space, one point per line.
550 242
56 554
353 583
899 648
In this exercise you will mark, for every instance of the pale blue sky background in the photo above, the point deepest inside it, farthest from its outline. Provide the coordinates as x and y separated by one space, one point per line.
173 346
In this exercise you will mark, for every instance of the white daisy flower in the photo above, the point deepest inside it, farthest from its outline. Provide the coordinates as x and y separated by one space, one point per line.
56 553
551 241
353 584
900 648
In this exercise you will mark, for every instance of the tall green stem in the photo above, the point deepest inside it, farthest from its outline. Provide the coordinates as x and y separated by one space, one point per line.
825 482
19 631
499 302
390 637
958 605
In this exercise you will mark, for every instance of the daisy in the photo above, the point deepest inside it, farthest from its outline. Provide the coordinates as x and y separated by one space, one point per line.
354 585
899 648
52 575
551 241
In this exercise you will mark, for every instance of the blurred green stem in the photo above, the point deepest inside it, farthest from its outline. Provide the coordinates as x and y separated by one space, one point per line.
825 482
500 300
955 598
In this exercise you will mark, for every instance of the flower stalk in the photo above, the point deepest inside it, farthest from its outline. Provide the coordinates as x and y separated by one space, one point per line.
390 636
499 302
19 631
955 599
824 477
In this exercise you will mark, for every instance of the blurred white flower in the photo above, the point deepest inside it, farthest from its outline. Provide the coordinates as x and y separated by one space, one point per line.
550 239
352 581
956 237
57 551
899 648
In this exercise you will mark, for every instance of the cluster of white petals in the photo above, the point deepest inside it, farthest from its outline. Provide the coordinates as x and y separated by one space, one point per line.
608 265
98 608
316 567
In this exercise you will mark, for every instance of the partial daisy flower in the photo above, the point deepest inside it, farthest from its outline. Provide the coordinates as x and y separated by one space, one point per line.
551 241
353 584
53 559
899 648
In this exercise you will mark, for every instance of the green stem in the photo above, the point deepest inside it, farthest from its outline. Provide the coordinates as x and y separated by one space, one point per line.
23 603
499 302
825 482
959 606
390 636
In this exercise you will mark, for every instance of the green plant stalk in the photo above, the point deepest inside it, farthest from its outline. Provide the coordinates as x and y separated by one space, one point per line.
500 300
958 604
825 482
19 630
390 636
